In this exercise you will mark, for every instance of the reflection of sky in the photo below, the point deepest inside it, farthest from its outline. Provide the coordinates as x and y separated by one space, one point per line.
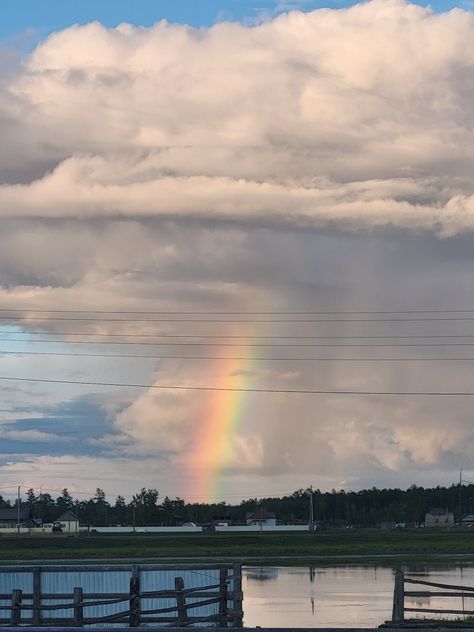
262 573
342 596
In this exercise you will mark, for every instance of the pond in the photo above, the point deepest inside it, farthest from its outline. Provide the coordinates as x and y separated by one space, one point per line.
339 596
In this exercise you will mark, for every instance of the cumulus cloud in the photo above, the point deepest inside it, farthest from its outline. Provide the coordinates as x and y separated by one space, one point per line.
310 162
359 117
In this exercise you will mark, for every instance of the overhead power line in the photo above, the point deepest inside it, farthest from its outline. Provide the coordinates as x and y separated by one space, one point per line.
296 391
232 313
242 358
235 337
202 498
239 320
240 344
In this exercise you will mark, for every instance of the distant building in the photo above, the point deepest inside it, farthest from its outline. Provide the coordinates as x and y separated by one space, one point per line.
69 522
439 517
261 518
388 524
11 518
221 520
335 523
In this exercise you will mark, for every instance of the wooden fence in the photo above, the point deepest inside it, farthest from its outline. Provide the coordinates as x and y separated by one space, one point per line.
223 597
444 590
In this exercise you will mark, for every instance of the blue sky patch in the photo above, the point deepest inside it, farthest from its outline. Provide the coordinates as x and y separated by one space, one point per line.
25 22
70 427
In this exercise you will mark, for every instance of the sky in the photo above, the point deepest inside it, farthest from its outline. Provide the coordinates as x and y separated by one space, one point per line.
25 22
256 202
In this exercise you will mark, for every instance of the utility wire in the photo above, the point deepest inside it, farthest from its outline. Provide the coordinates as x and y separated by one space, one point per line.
243 358
72 492
239 320
233 337
202 498
232 313
239 344
242 390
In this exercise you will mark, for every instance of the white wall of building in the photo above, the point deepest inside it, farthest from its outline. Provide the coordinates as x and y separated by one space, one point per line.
267 528
14 530
147 529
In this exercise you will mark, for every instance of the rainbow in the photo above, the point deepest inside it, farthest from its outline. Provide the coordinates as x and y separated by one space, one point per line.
221 416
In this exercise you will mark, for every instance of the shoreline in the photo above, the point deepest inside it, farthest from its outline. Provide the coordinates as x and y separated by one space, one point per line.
262 559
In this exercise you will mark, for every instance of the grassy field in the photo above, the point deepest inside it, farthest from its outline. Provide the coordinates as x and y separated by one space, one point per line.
337 544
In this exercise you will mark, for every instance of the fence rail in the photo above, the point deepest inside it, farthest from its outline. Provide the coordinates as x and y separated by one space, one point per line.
447 590
220 602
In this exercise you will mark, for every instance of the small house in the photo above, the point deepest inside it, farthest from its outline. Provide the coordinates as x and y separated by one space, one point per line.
12 519
261 518
439 517
68 522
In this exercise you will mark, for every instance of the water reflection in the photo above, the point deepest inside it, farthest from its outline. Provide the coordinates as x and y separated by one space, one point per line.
261 573
339 596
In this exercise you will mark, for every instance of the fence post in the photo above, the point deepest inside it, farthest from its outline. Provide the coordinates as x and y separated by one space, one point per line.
135 597
180 600
398 612
36 614
238 595
15 616
223 598
78 607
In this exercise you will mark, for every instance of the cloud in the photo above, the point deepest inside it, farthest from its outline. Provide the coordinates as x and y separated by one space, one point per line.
310 162
359 118
372 204
28 435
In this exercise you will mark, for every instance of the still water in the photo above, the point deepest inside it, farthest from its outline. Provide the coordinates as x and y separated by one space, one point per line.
339 596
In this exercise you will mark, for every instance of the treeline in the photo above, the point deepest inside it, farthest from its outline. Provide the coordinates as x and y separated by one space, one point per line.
365 508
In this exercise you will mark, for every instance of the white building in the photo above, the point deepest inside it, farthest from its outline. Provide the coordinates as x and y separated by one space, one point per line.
439 517
261 518
68 522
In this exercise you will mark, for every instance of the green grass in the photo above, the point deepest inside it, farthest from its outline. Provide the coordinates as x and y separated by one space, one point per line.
337 544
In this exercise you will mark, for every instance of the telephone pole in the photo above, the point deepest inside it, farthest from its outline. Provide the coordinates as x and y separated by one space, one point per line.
18 502
311 510
460 496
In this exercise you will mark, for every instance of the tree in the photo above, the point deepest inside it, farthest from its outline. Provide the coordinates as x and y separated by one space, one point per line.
146 506
65 501
120 502
101 507
46 507
99 496
175 511
120 510
30 497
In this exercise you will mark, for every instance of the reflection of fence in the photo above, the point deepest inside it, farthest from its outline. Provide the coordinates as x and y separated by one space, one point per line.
216 603
447 590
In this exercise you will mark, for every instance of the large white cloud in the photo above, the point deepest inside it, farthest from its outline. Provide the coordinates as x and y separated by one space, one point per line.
359 117
245 168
